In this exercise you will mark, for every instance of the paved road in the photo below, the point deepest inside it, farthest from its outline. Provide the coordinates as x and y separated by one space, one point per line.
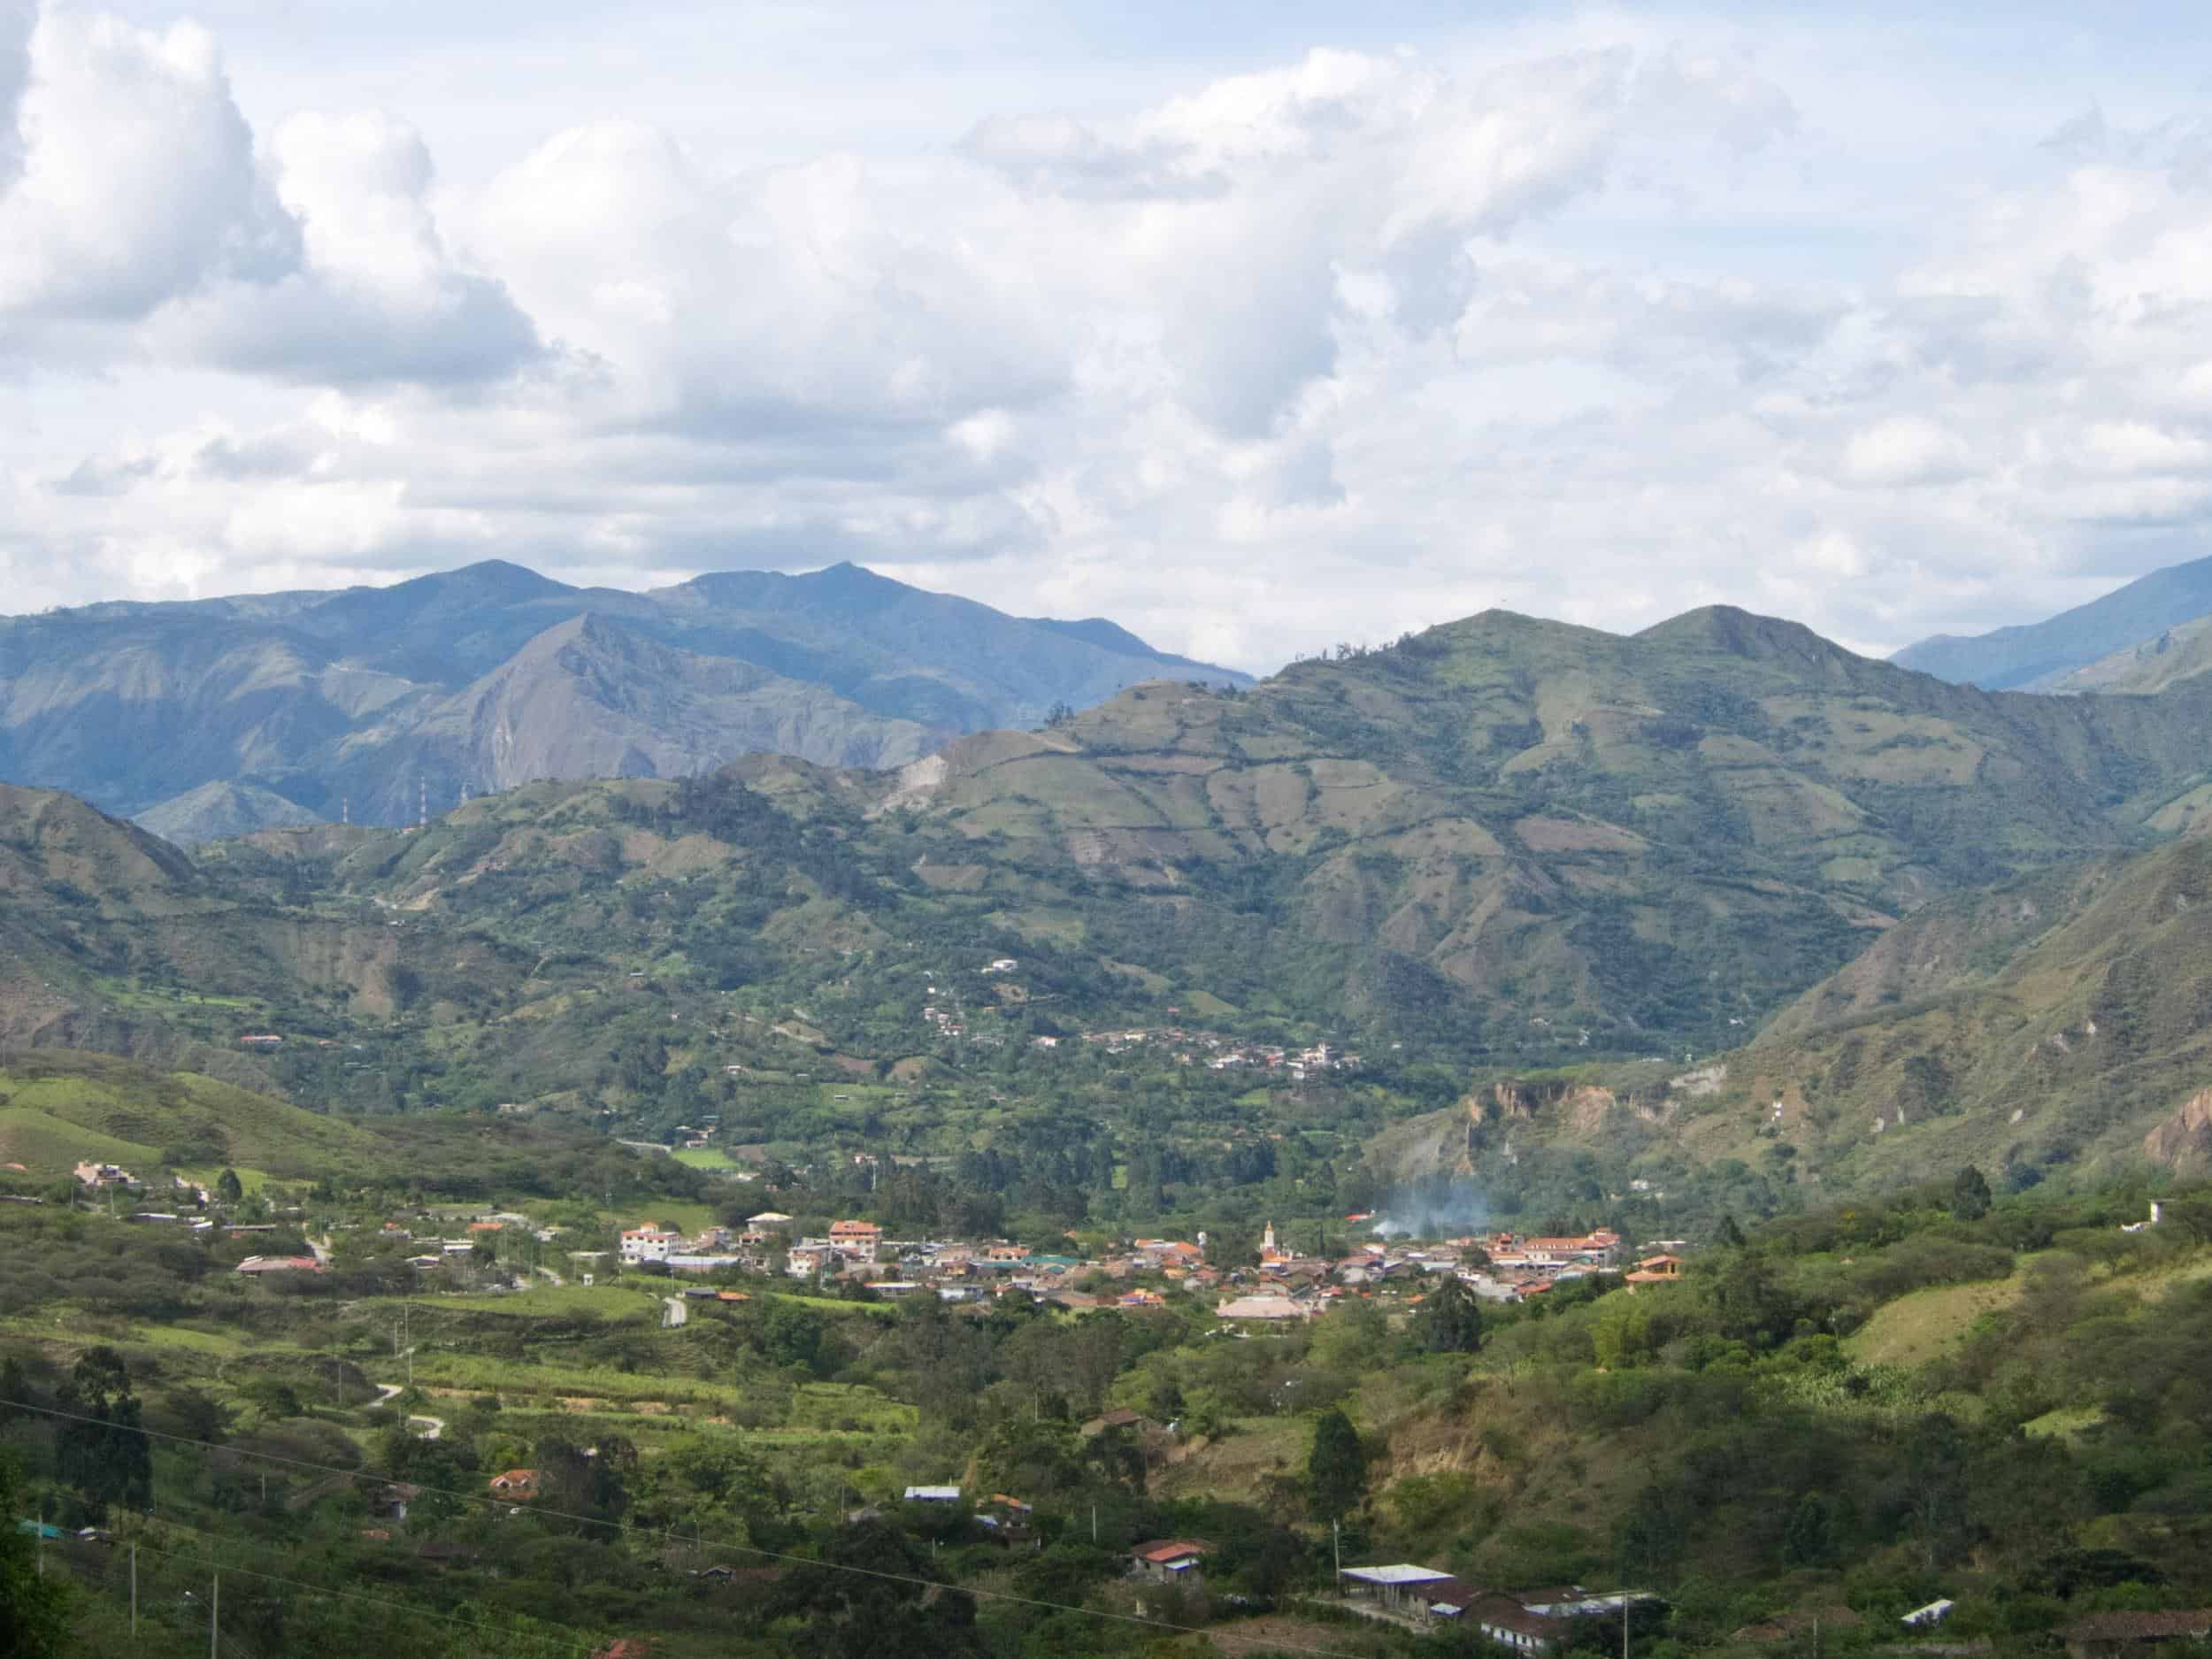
676 1314
558 1281
387 1392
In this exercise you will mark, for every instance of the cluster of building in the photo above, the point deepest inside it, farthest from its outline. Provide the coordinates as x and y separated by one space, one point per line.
1530 1620
1285 1287
1218 1053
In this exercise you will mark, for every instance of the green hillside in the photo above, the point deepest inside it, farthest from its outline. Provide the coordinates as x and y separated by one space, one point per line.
1499 845
2061 1021
2181 652
58 1108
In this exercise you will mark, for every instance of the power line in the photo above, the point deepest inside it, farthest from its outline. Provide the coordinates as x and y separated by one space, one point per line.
669 1535
576 1639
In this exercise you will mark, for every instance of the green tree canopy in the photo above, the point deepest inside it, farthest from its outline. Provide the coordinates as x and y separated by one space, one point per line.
102 1449
1336 1469
1451 1318
1969 1194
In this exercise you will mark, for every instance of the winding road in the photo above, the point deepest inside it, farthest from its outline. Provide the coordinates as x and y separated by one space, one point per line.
388 1392
676 1314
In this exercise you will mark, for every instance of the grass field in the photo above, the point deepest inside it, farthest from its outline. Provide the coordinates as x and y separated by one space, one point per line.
706 1159
1921 1326
46 1145
585 1302
87 1106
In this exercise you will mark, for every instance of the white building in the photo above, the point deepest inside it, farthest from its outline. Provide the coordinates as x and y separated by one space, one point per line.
651 1242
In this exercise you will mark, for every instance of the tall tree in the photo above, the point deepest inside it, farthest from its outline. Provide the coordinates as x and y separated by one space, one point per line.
1969 1194
1451 1318
1936 1487
1336 1468
102 1449
873 1596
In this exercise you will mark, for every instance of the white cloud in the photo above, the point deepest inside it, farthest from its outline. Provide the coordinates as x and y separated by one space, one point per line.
1597 319
1905 450
18 18
136 180
375 295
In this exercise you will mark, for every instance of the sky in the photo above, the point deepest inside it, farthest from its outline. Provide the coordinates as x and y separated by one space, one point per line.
1256 328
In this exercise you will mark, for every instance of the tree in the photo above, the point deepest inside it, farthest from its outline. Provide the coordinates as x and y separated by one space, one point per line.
1807 1537
1969 1194
873 1596
1935 1487
102 1449
1060 714
34 1619
1730 1235
584 1488
16 1389
1451 1318
228 1187
1336 1468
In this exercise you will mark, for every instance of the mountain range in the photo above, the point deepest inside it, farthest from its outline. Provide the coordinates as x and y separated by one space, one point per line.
212 718
1502 844
2119 643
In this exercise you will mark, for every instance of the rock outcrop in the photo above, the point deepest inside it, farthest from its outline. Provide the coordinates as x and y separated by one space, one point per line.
2186 1136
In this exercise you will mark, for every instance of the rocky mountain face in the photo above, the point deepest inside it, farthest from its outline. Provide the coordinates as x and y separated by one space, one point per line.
2185 1140
480 678
2051 655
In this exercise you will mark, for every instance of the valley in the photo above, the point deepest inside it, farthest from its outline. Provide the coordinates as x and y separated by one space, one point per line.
621 1209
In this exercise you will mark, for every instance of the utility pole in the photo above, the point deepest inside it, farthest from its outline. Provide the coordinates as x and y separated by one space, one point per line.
134 1592
41 1537
1624 1628
215 1618
1336 1540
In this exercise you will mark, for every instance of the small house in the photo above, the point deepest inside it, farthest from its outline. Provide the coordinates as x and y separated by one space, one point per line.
1170 1560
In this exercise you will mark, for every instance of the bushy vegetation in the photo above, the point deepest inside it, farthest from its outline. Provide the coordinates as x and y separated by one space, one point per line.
1744 1443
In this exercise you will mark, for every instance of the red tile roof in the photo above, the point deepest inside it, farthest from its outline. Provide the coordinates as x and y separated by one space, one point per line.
1165 1550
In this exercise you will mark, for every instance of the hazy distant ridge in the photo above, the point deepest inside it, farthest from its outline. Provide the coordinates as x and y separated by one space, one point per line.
217 716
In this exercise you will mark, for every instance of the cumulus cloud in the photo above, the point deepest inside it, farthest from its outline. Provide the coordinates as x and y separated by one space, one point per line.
1905 450
135 180
375 294
1335 345
139 216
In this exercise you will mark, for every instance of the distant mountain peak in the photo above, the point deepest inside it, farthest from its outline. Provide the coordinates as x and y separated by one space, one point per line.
2037 656
321 697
